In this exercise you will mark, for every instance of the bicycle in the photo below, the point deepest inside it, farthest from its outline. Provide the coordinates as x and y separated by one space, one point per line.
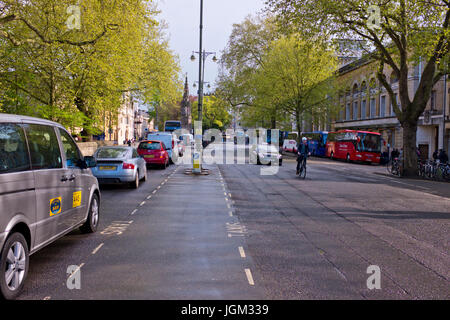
302 172
394 167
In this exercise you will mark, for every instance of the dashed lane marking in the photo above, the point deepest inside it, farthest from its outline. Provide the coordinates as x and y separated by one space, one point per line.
242 252
142 203
134 211
248 273
98 248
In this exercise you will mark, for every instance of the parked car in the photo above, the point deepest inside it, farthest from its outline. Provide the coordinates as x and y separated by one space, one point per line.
46 191
290 145
119 165
154 153
170 142
266 153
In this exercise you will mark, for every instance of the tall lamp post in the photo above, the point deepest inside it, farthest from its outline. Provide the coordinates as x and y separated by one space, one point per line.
198 134
201 82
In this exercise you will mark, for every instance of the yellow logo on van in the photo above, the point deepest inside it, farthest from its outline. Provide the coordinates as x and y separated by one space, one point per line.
55 206
77 199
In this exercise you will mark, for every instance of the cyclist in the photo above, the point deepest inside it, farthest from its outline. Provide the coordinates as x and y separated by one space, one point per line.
302 153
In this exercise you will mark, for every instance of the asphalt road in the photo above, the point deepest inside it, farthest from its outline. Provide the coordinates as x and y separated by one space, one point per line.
315 238
236 234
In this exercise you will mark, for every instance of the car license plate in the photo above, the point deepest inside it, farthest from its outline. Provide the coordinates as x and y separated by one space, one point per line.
107 168
149 156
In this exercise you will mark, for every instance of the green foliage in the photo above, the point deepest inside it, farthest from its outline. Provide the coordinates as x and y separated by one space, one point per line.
215 113
272 78
78 77
408 31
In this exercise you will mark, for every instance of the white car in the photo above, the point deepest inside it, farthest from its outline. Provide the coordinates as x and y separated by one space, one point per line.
266 153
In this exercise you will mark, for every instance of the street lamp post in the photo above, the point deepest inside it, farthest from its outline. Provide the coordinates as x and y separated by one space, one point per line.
201 71
202 61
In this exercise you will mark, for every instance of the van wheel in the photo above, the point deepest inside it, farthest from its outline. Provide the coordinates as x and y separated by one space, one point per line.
332 156
348 157
13 266
91 224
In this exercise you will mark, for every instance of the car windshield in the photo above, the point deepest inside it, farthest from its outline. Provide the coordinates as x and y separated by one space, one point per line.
150 146
112 153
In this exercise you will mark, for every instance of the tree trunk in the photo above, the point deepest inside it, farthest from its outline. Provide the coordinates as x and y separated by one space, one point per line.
299 125
409 149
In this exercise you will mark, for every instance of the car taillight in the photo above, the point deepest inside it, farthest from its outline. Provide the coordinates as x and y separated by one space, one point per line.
128 166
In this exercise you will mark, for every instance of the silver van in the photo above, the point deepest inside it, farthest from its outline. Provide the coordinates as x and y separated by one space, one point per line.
46 190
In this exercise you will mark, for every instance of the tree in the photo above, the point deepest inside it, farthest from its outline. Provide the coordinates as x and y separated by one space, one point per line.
215 113
400 32
298 78
240 61
52 71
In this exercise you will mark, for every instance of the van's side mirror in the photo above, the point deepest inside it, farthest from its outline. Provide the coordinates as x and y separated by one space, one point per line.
90 162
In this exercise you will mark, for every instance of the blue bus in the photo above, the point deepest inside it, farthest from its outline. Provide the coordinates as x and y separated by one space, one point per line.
317 141
172 125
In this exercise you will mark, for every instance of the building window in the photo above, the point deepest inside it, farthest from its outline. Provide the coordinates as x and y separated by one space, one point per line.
363 109
382 106
373 108
392 105
433 100
347 112
355 110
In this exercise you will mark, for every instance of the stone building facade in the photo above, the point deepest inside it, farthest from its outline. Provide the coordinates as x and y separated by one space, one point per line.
364 104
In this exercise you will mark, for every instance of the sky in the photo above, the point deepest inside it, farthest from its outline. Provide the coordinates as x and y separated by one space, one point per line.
183 19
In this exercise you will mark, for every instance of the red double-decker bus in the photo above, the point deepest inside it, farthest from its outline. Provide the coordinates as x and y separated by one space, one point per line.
354 145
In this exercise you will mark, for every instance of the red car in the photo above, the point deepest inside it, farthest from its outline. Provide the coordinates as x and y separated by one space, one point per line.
154 152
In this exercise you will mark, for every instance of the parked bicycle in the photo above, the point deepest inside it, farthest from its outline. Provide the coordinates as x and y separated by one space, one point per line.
394 167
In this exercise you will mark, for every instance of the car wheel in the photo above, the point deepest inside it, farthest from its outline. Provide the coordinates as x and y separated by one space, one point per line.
258 162
135 184
281 162
14 263
91 224
145 176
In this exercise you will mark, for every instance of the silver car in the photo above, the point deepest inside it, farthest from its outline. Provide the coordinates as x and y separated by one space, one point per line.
119 165
46 191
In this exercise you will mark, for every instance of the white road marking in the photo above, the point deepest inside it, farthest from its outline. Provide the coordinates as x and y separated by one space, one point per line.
230 213
134 211
248 273
142 203
76 270
229 194
242 252
158 187
154 191
149 197
225 194
98 248
228 205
